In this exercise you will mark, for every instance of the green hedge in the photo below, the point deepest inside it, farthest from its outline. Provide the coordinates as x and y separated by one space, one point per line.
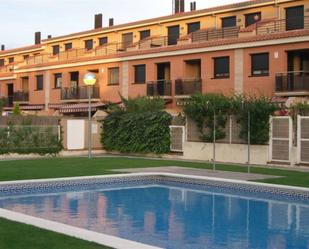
146 132
26 139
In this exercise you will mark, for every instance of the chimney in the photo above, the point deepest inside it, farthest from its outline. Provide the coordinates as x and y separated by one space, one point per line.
193 6
37 38
49 37
98 21
111 22
2 47
179 6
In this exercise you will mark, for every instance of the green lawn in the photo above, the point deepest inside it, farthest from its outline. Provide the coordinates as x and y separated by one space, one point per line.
65 167
20 236
14 235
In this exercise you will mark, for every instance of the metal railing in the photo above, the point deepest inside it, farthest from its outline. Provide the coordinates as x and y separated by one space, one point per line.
282 25
159 88
7 68
215 34
188 86
292 81
76 93
21 96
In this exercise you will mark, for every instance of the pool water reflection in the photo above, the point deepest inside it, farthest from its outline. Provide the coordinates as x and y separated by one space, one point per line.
175 218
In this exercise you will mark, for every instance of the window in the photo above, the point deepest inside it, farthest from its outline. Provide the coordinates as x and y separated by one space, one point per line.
252 18
26 56
222 67
294 17
89 44
193 27
56 49
260 64
103 40
39 82
1 62
229 22
144 34
58 80
173 35
68 46
113 76
11 60
140 74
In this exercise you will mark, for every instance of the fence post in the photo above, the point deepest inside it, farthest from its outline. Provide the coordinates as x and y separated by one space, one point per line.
231 128
214 143
298 139
249 139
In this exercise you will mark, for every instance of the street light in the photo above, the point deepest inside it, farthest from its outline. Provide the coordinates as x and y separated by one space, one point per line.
89 80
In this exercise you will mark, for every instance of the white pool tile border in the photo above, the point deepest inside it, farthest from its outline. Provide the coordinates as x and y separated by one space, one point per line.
79 233
103 239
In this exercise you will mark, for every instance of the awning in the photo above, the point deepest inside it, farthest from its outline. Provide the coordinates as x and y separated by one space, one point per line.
82 107
26 108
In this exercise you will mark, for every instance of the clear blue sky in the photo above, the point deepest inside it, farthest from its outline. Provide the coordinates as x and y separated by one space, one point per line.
19 19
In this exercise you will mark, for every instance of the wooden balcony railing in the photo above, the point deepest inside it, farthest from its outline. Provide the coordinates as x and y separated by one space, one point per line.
79 93
215 34
282 25
159 88
21 96
297 81
188 86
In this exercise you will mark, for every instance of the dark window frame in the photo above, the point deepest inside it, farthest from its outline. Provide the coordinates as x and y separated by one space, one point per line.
56 49
219 73
68 46
56 76
101 39
87 44
253 15
257 68
225 21
190 30
2 62
39 82
11 60
142 33
140 79
110 70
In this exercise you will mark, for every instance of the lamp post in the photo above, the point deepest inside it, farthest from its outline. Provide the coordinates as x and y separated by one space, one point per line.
89 80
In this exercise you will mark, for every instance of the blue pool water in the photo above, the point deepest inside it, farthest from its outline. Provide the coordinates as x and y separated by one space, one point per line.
175 217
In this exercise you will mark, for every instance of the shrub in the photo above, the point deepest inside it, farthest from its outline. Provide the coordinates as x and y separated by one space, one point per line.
139 126
26 139
201 109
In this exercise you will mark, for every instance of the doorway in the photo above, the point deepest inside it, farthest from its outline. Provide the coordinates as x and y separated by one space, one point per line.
294 17
163 78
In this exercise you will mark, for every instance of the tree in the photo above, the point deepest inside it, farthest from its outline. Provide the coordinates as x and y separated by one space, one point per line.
16 110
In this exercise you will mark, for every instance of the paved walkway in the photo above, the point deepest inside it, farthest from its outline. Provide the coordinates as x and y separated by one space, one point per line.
199 172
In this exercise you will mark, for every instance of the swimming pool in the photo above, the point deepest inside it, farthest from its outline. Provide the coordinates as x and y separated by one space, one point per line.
170 211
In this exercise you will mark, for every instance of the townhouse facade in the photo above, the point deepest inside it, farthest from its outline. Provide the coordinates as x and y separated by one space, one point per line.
258 47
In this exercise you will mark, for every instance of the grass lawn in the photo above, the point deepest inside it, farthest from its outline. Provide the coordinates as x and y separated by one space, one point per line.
20 236
14 235
65 167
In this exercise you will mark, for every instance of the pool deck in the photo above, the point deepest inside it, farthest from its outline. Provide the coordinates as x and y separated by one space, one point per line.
199 172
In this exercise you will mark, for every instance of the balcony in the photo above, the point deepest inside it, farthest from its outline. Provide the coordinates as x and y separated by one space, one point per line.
282 25
161 88
21 96
79 93
187 87
292 83
215 34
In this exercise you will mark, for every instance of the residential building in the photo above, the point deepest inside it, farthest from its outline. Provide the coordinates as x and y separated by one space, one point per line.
256 47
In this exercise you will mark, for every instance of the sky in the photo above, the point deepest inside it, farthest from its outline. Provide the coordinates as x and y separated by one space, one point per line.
20 19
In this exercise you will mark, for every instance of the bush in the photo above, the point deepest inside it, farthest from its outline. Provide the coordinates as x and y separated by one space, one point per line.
26 139
201 109
140 126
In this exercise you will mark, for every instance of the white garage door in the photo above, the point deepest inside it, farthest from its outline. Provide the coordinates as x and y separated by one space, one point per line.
76 134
